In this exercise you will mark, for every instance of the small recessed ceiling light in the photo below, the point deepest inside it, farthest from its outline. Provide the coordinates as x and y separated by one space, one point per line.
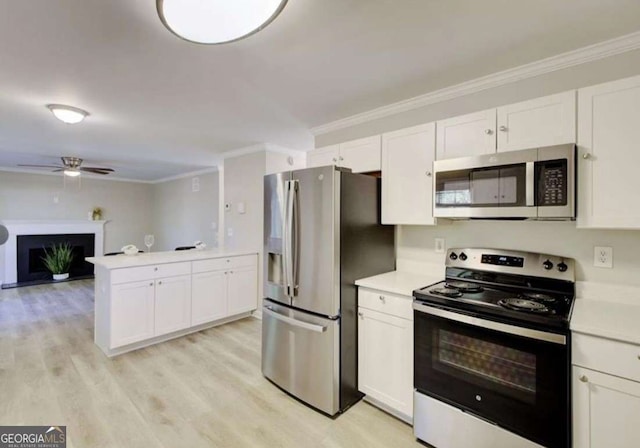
217 21
67 114
71 172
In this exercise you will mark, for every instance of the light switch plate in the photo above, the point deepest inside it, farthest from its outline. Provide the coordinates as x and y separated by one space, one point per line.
241 208
603 257
439 245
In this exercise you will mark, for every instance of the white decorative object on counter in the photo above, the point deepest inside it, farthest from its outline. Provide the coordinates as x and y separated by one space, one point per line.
200 245
130 249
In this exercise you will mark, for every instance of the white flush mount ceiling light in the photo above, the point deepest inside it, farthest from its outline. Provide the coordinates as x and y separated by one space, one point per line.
67 114
217 21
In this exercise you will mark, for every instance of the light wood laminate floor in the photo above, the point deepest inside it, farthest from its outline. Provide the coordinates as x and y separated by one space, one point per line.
202 390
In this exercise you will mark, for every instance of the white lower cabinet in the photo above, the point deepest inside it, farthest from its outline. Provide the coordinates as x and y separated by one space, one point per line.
142 305
242 289
385 351
606 393
208 296
606 410
132 312
173 304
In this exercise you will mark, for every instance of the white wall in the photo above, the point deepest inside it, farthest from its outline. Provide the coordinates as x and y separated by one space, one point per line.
182 216
562 238
126 205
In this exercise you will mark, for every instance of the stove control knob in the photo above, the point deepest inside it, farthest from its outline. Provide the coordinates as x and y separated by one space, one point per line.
463 256
548 265
562 267
453 256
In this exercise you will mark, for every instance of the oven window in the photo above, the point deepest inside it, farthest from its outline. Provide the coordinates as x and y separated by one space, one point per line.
498 367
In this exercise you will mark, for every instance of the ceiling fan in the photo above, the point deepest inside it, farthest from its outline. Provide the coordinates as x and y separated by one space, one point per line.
72 166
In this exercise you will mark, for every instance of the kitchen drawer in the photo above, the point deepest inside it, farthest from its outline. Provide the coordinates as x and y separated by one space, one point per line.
614 357
126 275
383 302
218 264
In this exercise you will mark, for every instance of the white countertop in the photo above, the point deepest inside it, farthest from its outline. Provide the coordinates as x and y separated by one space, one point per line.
400 282
613 320
145 259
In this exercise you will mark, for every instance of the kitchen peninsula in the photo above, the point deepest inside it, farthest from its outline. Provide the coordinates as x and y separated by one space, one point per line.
148 298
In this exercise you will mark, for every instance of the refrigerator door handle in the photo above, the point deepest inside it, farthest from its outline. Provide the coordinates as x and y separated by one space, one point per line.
288 238
295 249
294 322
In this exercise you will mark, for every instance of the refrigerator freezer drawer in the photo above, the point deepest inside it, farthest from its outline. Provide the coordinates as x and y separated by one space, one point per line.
300 353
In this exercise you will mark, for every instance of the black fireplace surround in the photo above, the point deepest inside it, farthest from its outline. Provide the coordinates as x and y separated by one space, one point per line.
31 250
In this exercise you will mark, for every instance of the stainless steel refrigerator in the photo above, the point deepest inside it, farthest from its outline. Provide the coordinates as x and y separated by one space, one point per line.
322 232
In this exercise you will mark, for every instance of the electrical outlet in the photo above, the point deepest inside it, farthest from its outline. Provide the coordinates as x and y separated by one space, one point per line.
439 245
229 231
603 257
56 199
195 184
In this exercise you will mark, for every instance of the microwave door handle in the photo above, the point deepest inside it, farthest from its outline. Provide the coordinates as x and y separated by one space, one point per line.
530 184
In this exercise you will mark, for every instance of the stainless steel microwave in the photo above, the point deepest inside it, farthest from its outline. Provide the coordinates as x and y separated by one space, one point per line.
534 183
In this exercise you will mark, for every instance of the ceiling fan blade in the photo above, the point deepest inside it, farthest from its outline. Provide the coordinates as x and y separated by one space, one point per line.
96 168
41 166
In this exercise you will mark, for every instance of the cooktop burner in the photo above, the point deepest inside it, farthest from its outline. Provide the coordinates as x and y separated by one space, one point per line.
463 286
538 297
529 306
446 291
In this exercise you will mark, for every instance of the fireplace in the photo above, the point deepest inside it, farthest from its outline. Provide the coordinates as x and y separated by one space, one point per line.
31 249
48 228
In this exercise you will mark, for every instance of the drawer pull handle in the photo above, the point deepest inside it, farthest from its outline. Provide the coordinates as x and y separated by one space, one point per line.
160 283
584 378
381 299
151 284
155 269
360 314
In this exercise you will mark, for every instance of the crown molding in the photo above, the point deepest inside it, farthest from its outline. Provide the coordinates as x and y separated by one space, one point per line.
561 61
209 170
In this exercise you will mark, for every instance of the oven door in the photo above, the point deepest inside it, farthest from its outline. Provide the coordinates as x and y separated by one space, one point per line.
514 377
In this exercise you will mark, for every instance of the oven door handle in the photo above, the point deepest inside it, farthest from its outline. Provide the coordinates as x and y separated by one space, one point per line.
530 193
491 325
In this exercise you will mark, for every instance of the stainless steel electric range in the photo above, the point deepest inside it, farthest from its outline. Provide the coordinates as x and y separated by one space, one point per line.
491 351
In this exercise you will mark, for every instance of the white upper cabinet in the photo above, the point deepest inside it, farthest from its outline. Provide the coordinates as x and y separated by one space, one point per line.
361 156
546 121
467 135
407 178
608 156
327 155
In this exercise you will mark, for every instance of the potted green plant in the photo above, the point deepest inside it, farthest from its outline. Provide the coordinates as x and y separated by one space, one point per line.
57 259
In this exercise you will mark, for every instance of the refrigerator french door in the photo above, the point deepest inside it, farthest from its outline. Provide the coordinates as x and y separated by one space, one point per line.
322 232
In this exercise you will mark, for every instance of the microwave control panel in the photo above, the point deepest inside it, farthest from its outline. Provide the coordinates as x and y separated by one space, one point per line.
552 182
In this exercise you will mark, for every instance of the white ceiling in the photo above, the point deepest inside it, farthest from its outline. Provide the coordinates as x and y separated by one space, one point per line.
157 100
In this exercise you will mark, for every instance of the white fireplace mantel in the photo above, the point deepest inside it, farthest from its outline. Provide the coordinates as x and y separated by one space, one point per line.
9 251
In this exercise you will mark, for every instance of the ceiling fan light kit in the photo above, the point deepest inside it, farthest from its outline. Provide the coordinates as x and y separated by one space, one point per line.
217 21
67 114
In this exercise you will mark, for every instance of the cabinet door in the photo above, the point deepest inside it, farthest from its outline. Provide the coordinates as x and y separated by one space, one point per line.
546 121
208 296
323 156
608 156
605 410
467 135
173 304
385 359
132 310
407 179
362 155
242 289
